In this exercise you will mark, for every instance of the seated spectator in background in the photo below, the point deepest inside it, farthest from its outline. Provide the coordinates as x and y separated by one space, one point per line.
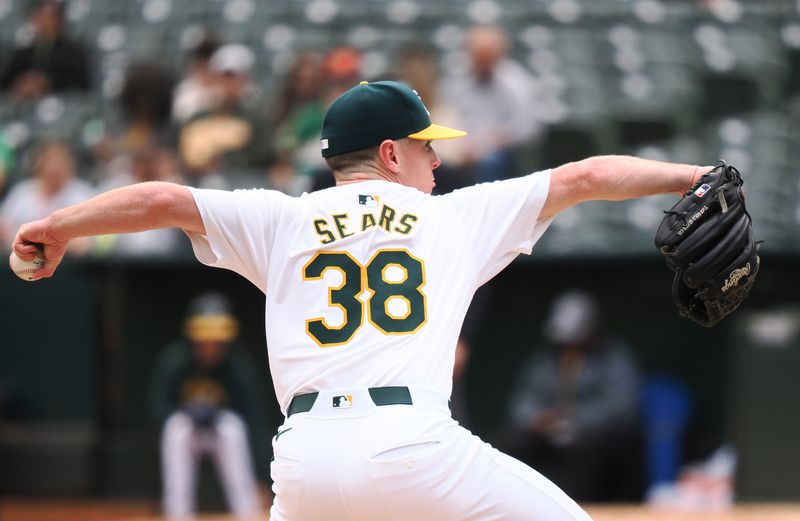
312 84
233 134
51 62
575 410
145 104
300 101
298 123
494 100
148 164
196 92
52 185
418 67
342 70
207 396
6 164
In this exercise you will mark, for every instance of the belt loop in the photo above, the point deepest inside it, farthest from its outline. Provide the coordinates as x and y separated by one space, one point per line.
390 396
301 403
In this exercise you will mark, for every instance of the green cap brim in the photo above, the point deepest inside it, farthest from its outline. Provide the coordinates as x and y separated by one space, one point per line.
434 132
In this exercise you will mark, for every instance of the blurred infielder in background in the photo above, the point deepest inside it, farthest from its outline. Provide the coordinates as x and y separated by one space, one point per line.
207 398
366 286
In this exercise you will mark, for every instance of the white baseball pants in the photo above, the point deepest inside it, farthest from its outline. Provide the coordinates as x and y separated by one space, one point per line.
401 462
182 445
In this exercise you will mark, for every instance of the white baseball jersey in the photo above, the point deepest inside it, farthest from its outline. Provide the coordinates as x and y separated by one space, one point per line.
367 284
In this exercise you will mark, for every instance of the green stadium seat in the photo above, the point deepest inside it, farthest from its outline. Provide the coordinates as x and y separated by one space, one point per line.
742 67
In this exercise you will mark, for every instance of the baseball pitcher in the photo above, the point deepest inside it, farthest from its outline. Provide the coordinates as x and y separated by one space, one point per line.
366 286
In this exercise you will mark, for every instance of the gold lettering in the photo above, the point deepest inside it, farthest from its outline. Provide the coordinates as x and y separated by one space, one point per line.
341 226
367 221
387 216
319 225
407 221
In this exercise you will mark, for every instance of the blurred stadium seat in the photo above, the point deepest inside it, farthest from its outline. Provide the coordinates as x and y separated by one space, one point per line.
612 76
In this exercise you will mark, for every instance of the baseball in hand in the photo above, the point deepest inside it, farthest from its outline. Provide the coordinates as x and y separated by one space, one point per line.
26 269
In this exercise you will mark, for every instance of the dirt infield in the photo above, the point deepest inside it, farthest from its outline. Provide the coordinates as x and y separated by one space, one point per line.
46 510
754 512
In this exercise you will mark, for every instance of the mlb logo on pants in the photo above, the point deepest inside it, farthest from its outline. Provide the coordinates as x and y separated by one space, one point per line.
343 402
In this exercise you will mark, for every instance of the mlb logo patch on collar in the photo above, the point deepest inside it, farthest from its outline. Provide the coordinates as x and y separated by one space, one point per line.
342 402
370 201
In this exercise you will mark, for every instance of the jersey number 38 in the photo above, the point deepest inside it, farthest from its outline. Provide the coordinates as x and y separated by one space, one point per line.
393 279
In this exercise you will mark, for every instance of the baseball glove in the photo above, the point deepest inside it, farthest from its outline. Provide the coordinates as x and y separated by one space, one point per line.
707 240
202 413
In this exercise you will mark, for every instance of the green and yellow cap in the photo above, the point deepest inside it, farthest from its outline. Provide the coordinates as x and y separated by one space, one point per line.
210 319
369 113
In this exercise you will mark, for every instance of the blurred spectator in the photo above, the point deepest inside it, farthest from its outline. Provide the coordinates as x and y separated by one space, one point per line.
575 411
418 67
6 164
145 104
197 91
233 134
342 67
303 86
52 185
311 86
494 101
206 395
342 70
148 164
51 62
299 122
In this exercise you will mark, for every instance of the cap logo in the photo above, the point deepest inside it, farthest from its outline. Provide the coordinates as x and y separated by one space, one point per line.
324 144
423 103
